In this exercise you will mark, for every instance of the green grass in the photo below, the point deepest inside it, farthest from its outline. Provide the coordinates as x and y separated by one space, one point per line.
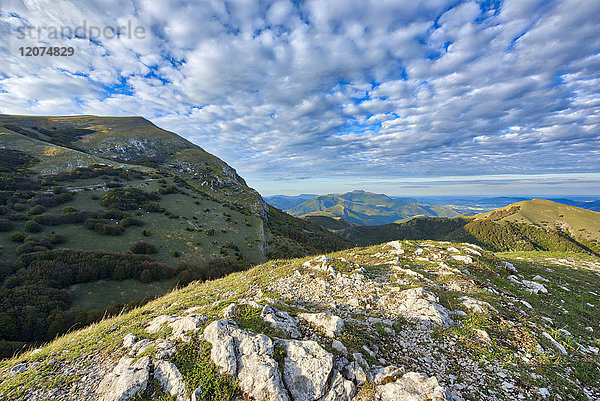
104 293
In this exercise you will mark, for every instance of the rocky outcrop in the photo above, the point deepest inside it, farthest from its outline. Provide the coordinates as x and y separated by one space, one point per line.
306 372
306 368
280 320
127 379
170 379
247 356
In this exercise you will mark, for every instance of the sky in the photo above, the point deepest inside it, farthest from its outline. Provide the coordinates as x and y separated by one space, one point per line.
401 97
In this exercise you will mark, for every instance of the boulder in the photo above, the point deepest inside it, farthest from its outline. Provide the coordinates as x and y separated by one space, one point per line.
332 325
129 340
280 320
475 305
306 369
534 287
127 379
463 258
247 356
340 389
413 387
170 379
380 374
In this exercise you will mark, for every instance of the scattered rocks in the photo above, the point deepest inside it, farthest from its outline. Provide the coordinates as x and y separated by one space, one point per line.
319 263
477 306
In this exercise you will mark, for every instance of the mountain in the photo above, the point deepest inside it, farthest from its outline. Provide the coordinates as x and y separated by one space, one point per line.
579 223
417 320
101 213
285 202
366 208
528 225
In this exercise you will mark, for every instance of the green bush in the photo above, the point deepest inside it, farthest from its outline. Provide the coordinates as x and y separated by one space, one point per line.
17 236
127 198
33 227
6 225
143 248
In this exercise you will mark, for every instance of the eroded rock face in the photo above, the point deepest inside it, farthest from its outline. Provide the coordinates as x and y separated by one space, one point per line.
170 379
249 357
419 304
280 320
332 325
413 387
306 368
127 379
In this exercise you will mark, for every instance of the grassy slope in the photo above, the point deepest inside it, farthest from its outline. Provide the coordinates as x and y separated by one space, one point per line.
578 222
514 331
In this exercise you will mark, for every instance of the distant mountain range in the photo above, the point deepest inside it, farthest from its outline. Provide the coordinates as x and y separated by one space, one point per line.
363 208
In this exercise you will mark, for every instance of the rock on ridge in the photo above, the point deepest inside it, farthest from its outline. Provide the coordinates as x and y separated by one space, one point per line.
419 304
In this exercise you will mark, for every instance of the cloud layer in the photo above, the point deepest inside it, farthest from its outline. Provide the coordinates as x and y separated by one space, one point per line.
351 88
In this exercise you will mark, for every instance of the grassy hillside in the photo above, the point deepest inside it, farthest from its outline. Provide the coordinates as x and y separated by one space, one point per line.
523 226
504 340
158 208
365 208
577 222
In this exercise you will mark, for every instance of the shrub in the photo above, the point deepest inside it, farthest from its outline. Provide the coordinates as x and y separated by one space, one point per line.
68 209
57 238
146 233
6 225
17 236
127 198
143 248
33 227
37 209
130 221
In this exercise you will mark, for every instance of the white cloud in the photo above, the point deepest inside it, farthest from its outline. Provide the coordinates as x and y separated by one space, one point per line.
337 88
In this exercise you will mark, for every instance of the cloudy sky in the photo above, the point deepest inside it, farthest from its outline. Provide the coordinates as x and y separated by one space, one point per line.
404 97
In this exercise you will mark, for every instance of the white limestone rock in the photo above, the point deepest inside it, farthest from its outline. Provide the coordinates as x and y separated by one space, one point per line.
332 325
280 320
306 369
127 379
419 304
247 356
413 387
170 379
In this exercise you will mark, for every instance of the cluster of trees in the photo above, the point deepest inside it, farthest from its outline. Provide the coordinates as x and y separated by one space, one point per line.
509 236
128 198
35 302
